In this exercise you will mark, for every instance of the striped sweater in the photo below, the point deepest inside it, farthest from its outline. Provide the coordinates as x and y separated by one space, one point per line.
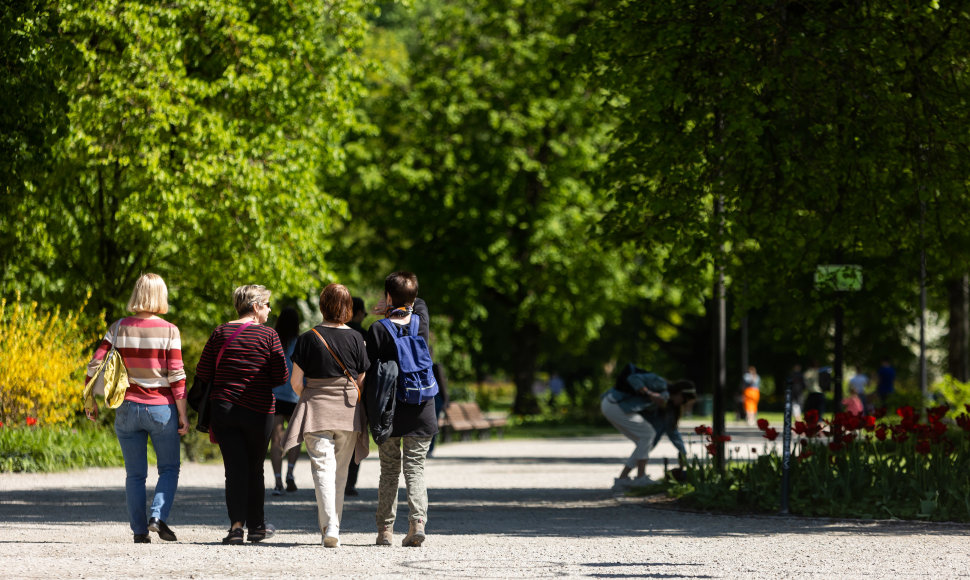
250 367
152 351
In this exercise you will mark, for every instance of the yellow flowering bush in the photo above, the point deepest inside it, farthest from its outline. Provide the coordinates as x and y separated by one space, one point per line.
42 361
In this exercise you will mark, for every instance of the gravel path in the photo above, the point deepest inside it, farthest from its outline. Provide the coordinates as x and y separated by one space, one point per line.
499 509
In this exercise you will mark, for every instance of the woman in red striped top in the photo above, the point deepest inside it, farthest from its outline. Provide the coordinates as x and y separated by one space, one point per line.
154 403
242 404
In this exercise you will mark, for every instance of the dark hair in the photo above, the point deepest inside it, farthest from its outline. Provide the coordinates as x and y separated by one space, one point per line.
335 304
689 392
358 305
684 387
402 287
288 325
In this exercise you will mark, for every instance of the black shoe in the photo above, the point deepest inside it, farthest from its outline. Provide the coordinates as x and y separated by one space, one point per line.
352 492
164 532
278 490
290 485
142 539
261 532
234 538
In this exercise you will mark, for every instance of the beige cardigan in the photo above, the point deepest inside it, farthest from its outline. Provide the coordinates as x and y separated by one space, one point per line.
329 405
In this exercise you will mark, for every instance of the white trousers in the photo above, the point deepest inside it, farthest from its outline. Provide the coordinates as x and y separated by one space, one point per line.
634 427
330 455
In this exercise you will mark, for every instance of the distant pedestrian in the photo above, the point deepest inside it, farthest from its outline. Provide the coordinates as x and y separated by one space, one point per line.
288 329
814 395
796 381
752 394
859 384
886 380
353 470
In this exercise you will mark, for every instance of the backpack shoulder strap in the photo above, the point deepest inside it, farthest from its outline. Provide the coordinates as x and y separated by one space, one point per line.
415 327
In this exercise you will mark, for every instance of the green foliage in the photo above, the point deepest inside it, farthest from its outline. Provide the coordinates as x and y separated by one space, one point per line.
821 130
954 394
42 367
481 175
196 137
32 119
36 449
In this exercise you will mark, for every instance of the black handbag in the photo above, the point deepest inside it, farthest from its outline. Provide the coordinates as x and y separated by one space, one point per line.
198 395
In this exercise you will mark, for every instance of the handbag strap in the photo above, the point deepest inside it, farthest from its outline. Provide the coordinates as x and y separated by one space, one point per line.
339 362
239 330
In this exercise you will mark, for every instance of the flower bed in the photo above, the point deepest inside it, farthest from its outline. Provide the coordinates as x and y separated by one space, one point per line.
881 466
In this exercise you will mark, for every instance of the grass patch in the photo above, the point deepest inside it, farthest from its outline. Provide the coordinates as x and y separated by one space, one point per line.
39 449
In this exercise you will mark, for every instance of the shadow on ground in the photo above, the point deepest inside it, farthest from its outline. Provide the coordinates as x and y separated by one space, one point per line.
547 512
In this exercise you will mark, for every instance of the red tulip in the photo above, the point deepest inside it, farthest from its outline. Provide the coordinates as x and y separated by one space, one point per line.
31 421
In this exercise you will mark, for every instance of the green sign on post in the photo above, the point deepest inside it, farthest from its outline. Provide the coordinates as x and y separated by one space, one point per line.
839 277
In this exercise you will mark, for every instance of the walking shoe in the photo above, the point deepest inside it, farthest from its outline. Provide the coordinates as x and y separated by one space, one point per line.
234 538
415 536
351 492
622 483
261 532
164 532
142 539
642 481
290 484
278 490
385 535
331 538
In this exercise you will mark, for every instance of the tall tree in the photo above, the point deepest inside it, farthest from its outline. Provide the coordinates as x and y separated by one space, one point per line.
33 115
824 127
480 181
198 134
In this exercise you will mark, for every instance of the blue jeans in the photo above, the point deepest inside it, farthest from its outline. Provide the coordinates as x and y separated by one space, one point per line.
134 423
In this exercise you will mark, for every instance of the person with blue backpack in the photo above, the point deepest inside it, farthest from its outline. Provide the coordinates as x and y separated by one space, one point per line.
398 345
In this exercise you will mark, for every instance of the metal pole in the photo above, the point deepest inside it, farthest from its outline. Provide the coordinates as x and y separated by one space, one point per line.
924 389
837 363
786 452
720 329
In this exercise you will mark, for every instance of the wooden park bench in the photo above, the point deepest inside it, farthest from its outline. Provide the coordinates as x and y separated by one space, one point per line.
464 419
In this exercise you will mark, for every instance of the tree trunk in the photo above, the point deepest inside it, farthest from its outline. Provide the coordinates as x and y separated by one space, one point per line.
525 345
959 328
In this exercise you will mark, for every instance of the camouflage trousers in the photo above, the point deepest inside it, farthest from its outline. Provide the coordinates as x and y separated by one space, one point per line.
408 458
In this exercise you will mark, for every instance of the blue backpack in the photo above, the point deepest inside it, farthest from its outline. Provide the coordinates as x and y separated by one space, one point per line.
415 379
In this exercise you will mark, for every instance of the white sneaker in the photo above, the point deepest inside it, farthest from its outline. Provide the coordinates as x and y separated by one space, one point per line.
622 483
331 539
642 481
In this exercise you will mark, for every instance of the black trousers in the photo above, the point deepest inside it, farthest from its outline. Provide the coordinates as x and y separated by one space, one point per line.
243 437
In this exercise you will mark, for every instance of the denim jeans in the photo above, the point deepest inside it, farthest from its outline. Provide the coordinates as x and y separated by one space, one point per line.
134 423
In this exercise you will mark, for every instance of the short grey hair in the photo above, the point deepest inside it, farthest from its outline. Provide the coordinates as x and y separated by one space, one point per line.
245 298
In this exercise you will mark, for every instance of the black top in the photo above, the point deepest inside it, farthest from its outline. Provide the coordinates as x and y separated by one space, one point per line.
317 362
409 420
250 367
